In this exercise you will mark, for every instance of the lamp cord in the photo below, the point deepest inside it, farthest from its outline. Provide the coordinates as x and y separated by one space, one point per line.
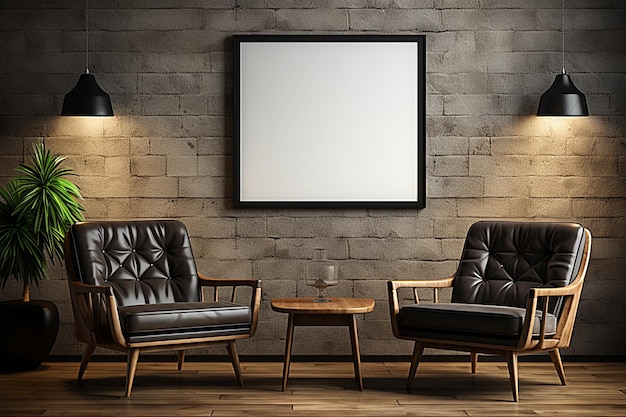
563 36
87 36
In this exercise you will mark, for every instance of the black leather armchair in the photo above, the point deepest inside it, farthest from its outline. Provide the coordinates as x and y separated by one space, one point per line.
515 292
134 288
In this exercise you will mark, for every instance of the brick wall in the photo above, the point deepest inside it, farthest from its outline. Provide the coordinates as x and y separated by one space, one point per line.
168 151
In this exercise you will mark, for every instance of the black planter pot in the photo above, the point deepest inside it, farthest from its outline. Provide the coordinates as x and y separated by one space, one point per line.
28 331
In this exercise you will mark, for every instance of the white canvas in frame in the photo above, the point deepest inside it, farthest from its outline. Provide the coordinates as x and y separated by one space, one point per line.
329 120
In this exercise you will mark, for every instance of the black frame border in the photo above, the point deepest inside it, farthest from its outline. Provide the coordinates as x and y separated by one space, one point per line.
420 40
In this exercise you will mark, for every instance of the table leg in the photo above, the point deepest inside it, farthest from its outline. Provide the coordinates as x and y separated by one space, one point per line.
354 337
288 345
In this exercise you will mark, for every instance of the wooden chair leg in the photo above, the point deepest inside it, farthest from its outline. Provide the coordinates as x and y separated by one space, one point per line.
474 361
131 367
85 360
234 358
558 364
511 358
181 359
418 351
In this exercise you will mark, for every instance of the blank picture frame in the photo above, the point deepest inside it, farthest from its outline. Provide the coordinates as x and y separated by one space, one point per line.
329 121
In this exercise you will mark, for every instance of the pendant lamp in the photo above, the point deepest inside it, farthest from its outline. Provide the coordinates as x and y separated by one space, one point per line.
563 98
87 98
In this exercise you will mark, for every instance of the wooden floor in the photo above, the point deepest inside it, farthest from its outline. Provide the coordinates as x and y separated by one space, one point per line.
314 389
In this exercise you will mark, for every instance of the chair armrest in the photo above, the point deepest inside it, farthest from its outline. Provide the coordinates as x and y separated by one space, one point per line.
435 284
555 292
80 288
94 306
255 298
565 323
394 303
422 283
228 282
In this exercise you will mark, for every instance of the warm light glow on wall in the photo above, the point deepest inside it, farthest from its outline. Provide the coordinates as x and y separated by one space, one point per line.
78 126
95 136
94 130
546 126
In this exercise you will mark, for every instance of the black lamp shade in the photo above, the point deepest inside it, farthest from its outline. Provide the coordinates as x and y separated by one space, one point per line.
563 99
87 99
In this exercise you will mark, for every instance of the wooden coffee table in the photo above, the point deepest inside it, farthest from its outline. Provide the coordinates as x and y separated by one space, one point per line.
338 312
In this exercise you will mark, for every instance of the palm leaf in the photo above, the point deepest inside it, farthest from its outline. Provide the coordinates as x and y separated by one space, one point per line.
20 254
38 208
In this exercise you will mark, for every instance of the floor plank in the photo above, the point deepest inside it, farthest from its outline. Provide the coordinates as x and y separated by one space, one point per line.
314 389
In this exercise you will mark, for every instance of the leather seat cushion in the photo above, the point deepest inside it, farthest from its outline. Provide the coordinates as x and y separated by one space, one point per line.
166 321
471 319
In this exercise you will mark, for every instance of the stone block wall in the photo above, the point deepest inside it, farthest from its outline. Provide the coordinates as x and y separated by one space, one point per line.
167 153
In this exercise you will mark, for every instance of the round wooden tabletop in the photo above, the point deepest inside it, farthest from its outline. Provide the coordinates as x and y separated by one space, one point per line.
300 305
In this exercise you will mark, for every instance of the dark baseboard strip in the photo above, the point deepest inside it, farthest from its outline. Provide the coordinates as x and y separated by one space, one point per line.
342 358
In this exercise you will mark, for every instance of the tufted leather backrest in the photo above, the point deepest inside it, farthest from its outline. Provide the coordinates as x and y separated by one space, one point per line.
502 261
145 262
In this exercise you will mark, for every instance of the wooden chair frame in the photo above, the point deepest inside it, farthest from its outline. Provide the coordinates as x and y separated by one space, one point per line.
528 344
98 323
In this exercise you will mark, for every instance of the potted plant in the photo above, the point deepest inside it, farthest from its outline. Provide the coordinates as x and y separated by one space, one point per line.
36 209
